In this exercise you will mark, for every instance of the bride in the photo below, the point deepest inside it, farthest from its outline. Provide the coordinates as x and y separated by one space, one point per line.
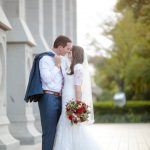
77 86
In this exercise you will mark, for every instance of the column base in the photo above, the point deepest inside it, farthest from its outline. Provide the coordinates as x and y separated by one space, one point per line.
38 125
26 133
7 141
10 146
36 114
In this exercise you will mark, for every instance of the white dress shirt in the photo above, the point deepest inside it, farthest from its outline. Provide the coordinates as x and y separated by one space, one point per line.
51 76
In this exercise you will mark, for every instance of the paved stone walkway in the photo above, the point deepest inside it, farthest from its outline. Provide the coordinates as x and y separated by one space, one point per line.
117 137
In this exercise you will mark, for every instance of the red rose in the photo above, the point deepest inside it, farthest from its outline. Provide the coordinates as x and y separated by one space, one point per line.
68 109
75 121
80 110
70 117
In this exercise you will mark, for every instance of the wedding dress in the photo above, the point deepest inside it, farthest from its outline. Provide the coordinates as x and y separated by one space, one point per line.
68 136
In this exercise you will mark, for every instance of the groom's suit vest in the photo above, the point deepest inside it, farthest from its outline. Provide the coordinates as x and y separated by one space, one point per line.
34 89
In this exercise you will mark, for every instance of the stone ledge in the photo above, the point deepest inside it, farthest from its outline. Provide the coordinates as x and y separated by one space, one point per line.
20 33
4 23
31 147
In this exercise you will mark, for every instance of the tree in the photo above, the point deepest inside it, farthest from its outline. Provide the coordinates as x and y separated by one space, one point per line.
127 67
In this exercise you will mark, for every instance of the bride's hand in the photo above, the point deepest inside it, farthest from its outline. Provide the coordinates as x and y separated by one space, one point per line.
78 100
78 92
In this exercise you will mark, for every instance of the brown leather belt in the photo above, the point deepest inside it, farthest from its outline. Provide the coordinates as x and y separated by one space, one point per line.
52 93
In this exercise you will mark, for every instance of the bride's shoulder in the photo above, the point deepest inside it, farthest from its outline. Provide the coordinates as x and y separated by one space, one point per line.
78 67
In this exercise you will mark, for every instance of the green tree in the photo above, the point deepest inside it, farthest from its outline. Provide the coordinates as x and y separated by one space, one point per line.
127 67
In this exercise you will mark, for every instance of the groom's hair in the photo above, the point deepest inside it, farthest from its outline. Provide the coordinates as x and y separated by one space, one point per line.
61 41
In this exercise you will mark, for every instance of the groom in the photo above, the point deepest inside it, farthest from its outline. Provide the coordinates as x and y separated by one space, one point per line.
51 70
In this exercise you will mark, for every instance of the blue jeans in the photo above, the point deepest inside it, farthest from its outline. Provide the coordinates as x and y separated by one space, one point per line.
50 110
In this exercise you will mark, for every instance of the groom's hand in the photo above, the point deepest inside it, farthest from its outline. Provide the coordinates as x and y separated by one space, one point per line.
57 61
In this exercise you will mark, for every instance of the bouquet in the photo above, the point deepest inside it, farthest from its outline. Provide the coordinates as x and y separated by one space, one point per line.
77 111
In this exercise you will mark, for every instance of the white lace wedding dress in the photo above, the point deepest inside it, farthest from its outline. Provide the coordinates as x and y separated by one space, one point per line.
68 136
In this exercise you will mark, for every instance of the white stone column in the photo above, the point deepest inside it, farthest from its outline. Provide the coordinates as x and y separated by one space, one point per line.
34 18
74 22
7 142
19 58
69 18
60 17
49 21
35 21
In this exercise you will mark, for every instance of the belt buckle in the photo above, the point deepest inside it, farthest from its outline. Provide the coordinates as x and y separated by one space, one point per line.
56 94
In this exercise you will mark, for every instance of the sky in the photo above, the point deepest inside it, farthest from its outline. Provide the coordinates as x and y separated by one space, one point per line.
90 14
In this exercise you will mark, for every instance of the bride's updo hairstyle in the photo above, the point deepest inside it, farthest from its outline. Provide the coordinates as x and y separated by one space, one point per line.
77 57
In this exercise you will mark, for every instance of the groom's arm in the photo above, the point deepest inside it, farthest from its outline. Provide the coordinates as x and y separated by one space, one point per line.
48 69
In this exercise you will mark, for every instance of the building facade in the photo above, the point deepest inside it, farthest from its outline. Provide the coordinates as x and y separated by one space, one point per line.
27 27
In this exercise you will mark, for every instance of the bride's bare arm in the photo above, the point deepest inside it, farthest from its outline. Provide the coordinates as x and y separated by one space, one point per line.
78 92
